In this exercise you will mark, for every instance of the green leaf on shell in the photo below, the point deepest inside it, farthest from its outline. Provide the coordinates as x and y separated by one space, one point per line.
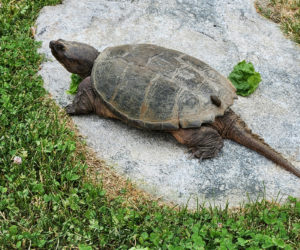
244 78
75 80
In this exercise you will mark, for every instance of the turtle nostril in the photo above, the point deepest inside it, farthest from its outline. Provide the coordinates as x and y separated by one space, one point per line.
51 44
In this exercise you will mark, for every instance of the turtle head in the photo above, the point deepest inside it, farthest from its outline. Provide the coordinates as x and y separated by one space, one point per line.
76 57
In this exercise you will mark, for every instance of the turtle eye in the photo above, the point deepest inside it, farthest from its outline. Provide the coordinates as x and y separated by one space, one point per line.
60 46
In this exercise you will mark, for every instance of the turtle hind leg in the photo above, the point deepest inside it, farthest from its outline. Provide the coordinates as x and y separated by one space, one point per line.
203 142
84 100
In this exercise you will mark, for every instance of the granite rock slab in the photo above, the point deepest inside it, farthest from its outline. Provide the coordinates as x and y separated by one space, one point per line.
221 33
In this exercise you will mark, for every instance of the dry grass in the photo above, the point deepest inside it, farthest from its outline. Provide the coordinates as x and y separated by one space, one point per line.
284 12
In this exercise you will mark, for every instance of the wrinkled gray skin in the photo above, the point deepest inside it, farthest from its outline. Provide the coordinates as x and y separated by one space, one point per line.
204 142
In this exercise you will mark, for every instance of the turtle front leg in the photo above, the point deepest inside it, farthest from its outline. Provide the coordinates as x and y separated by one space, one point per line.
84 101
70 110
203 142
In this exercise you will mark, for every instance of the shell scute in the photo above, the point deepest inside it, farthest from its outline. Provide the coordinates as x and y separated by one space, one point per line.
128 102
161 101
111 76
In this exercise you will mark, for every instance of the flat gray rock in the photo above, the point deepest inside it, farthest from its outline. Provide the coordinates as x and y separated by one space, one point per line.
221 33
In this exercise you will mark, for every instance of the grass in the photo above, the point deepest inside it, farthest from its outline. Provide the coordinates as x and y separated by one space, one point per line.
284 12
49 201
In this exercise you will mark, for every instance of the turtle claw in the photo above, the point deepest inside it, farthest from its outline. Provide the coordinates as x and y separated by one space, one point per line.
204 151
70 110
197 153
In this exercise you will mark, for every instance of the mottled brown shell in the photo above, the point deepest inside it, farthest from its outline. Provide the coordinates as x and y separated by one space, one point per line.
161 89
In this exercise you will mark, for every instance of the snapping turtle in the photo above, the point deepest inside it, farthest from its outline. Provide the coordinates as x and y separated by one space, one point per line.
156 88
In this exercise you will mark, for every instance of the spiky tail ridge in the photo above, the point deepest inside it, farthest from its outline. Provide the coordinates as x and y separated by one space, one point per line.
236 130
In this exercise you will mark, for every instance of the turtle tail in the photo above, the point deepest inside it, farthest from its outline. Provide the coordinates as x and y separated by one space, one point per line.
231 126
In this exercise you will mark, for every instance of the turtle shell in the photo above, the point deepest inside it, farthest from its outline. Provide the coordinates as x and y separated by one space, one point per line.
160 89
